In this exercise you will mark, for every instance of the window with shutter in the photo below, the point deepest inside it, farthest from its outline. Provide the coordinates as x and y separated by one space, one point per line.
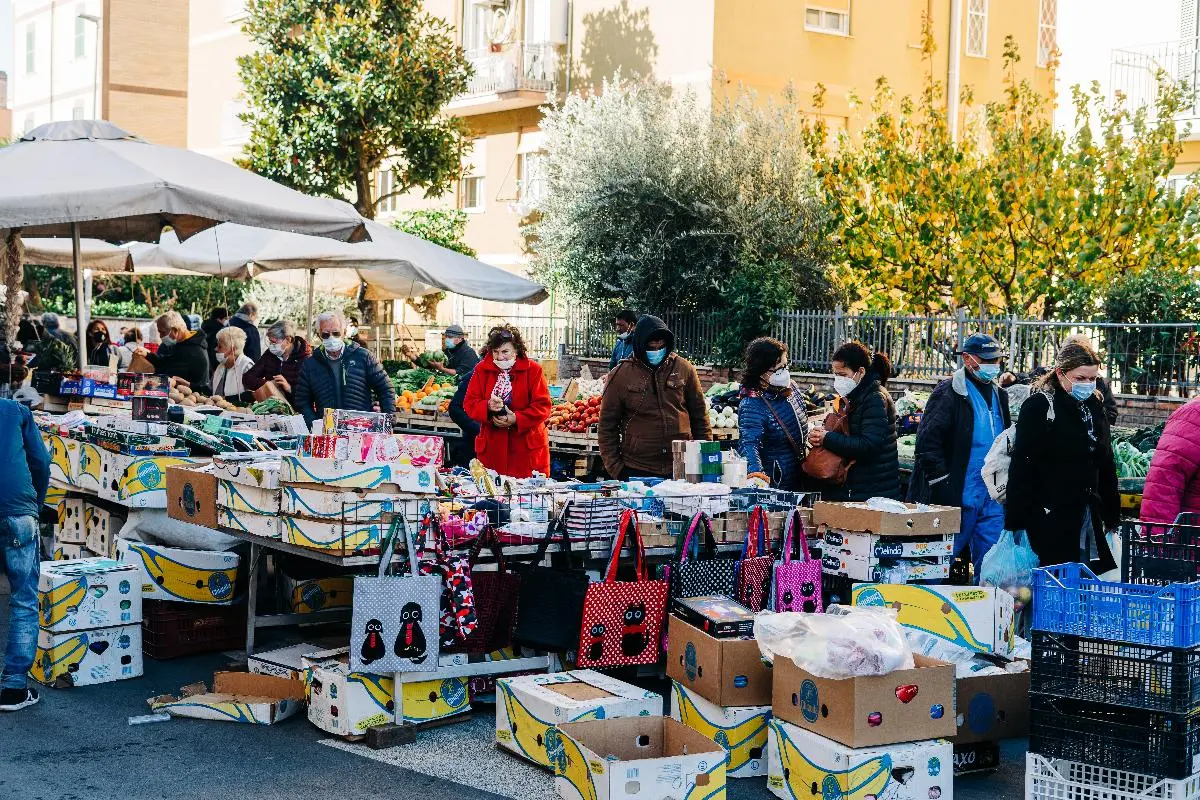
1047 32
977 24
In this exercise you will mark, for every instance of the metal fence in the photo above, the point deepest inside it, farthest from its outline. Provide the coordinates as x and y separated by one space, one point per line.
1146 359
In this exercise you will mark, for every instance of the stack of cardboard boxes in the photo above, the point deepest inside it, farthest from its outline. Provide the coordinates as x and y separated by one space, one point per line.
89 614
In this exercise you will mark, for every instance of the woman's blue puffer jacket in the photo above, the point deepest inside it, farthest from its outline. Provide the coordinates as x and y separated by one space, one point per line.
762 442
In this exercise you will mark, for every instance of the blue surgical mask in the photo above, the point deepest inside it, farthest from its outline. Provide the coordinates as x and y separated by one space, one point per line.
450 343
168 340
655 357
989 372
1082 390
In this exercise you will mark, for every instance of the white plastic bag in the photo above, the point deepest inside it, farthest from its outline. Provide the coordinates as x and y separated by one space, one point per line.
844 642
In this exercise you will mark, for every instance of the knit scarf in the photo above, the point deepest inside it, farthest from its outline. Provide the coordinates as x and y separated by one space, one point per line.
503 388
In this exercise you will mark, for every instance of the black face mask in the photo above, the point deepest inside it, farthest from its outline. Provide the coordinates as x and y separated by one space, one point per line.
98 336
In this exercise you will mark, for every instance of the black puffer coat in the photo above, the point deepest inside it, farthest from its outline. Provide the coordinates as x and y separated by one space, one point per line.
871 443
187 359
363 376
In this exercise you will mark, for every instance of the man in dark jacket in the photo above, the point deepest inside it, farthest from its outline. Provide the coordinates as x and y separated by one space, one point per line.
463 450
246 318
341 374
27 476
650 400
623 349
211 327
183 354
962 419
461 358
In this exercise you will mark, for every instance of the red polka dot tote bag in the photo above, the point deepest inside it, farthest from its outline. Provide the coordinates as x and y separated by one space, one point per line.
756 565
622 620
797 583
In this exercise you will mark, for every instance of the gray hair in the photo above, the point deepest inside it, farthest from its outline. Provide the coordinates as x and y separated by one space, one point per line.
50 320
172 320
234 338
283 329
249 309
331 316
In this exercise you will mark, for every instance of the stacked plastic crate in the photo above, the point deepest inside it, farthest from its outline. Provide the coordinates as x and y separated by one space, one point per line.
1115 675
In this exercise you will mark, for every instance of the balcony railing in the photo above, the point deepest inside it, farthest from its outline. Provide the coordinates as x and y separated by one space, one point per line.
514 67
1135 73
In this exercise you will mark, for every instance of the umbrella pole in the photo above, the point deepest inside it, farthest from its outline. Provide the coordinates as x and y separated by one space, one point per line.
312 279
81 309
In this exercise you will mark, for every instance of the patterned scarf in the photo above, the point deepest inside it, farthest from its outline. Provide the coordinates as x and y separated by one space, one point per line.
503 388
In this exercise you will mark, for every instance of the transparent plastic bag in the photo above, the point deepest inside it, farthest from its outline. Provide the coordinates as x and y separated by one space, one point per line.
844 642
1009 565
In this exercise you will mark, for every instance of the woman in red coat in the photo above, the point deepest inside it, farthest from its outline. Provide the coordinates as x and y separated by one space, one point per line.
510 400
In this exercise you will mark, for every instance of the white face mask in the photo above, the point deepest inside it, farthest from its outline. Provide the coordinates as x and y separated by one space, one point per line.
780 378
843 385
623 336
504 363
276 350
334 344
168 340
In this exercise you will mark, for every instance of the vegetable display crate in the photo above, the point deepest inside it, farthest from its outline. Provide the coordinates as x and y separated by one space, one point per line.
1155 553
1135 676
1070 599
1133 739
174 630
1060 779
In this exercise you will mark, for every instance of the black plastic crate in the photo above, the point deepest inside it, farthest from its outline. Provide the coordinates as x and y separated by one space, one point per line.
1159 554
836 589
1131 675
174 630
1155 743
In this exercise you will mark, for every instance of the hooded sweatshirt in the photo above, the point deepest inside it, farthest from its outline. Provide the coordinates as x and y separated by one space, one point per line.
645 408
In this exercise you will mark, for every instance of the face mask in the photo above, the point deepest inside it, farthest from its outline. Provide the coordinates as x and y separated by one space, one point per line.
843 385
780 378
1082 390
276 350
504 363
351 330
99 336
168 340
334 344
450 343
622 336
988 372
655 357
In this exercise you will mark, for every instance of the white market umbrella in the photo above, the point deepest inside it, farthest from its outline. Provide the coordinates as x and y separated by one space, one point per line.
89 178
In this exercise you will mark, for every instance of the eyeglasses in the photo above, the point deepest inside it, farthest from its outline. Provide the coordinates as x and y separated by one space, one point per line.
501 335
327 334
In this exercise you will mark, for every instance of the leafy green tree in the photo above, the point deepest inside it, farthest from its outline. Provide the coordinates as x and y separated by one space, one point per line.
338 89
442 226
660 201
1017 217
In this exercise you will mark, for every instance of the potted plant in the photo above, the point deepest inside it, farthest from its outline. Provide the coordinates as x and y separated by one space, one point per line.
54 357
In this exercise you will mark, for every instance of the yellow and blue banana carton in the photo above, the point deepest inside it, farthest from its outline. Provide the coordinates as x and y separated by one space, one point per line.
55 497
265 525
86 658
741 730
359 505
800 761
71 523
346 703
255 499
529 707
382 475
61 450
338 536
88 593
139 481
638 758
70 552
248 469
100 528
319 594
236 697
187 576
954 618
87 466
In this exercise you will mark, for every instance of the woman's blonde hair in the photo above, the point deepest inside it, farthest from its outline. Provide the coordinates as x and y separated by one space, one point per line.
234 338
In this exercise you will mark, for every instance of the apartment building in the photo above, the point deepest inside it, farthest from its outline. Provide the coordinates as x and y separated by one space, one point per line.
121 60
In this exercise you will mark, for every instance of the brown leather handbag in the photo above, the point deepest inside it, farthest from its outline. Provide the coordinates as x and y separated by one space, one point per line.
824 464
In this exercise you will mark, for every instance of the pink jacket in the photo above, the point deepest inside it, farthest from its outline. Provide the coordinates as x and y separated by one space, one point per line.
1173 483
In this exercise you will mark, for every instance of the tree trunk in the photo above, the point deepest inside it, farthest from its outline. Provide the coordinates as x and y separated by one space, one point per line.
364 190
12 271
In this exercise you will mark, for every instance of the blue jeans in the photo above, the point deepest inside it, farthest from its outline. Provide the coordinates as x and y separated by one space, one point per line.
20 550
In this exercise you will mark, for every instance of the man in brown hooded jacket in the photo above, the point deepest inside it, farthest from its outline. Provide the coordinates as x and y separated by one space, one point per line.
652 398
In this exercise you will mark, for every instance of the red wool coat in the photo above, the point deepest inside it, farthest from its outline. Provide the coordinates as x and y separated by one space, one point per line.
525 447
1173 482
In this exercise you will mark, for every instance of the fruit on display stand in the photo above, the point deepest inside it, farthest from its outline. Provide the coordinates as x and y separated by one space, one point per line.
430 398
589 388
816 399
723 418
718 389
575 417
182 394
431 357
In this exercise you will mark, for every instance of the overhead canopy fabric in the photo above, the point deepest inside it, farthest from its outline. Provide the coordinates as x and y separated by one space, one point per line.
118 187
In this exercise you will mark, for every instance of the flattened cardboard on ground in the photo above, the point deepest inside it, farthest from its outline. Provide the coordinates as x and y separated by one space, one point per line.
902 706
86 658
187 576
528 707
236 697
799 760
88 593
977 618
857 517
192 496
727 672
638 758
741 730
286 662
240 497
992 707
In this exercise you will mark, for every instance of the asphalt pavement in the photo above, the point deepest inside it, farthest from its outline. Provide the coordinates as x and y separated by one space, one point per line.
77 745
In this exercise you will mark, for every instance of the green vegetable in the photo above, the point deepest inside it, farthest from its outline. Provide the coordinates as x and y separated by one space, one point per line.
272 405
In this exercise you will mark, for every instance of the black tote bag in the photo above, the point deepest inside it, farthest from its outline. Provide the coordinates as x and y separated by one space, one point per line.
550 603
699 570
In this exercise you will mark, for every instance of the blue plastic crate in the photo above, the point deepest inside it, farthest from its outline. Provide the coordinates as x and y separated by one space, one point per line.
1070 599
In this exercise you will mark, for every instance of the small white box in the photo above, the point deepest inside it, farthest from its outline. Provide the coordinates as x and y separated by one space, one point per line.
800 759
88 593
85 658
741 730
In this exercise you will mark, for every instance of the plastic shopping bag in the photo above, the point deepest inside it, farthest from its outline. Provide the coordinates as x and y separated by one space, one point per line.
844 642
1009 565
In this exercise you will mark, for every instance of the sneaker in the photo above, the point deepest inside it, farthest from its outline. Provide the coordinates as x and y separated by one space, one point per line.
16 699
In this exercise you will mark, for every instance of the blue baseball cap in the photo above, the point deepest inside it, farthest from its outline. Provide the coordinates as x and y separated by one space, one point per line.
983 346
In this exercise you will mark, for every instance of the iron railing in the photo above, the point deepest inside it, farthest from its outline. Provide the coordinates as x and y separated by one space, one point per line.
1135 73
510 67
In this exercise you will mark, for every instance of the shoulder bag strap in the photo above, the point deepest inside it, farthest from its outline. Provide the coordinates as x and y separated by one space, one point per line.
387 545
755 544
799 517
798 449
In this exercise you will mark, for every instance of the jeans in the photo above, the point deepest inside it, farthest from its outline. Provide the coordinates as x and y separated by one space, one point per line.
20 549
